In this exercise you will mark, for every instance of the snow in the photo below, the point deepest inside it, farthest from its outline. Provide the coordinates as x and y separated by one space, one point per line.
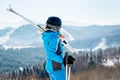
109 63
101 45
21 68
6 37
17 47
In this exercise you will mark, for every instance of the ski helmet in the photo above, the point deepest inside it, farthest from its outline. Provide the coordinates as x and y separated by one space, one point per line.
54 23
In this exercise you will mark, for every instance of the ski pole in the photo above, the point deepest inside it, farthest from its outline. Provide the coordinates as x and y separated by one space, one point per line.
66 54
68 67
69 70
38 26
66 72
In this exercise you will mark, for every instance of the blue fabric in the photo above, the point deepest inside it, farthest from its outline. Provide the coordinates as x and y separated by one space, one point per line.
50 41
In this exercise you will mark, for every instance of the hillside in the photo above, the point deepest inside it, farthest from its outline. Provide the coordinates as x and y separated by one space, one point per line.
79 37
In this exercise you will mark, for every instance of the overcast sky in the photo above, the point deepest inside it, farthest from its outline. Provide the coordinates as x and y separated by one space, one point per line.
76 12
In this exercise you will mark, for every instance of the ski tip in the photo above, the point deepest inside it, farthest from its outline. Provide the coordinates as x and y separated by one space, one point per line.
10 8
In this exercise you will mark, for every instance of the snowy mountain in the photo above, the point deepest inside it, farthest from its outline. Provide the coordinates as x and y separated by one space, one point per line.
79 37
25 35
90 32
31 49
111 39
4 31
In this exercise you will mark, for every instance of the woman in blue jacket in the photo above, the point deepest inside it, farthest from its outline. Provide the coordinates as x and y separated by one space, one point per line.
54 49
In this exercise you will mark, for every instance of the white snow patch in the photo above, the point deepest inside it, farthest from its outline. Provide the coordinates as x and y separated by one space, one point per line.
109 63
21 68
101 45
17 47
6 37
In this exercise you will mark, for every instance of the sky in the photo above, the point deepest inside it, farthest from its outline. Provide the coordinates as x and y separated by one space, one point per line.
72 12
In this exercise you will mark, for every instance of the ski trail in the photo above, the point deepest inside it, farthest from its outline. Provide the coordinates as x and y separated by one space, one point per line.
102 44
6 37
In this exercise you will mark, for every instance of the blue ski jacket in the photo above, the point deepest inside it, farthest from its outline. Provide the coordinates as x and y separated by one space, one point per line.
50 41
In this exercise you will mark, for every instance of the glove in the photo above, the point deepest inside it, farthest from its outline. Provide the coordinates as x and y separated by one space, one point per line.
62 38
68 59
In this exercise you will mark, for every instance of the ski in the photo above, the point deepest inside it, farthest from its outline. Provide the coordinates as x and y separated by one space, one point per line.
34 24
64 42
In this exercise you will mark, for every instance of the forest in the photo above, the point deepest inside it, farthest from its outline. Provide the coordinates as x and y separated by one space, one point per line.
89 65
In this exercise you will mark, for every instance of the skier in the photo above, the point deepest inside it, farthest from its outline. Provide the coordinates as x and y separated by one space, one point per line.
54 49
53 46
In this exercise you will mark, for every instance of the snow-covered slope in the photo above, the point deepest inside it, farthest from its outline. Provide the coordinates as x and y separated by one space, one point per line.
79 37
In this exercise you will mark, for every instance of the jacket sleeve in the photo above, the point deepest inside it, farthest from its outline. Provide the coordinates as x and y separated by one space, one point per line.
53 43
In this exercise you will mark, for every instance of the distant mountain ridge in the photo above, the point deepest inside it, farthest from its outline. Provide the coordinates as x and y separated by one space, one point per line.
84 37
92 31
3 32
